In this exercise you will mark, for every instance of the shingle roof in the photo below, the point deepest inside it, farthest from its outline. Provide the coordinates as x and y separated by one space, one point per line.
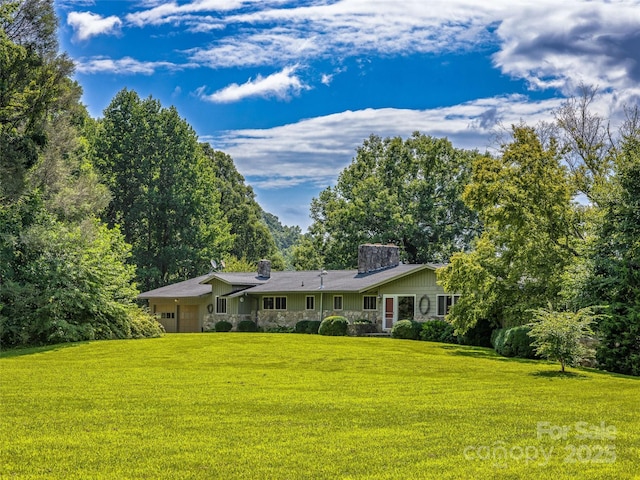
309 281
238 278
288 281
189 288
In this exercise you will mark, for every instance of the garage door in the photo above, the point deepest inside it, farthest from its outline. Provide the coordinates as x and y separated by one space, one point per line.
189 319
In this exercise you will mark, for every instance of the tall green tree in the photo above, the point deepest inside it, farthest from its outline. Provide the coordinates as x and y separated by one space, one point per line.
615 278
63 273
406 192
32 76
285 236
252 239
164 191
306 254
524 199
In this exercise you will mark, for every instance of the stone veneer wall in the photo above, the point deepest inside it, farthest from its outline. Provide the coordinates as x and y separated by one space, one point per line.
373 257
210 320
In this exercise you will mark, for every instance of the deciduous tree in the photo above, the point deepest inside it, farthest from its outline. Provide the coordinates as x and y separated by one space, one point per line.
32 77
165 195
524 200
559 335
406 192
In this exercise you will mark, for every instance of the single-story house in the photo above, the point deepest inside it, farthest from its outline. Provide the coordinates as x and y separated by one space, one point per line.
382 290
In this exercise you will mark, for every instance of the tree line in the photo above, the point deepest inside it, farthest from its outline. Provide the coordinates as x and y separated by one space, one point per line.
549 222
92 210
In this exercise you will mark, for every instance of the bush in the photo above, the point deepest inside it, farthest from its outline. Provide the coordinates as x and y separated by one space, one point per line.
479 335
307 326
223 326
144 325
438 331
406 329
313 327
334 326
362 321
301 326
247 326
279 329
513 342
497 339
361 329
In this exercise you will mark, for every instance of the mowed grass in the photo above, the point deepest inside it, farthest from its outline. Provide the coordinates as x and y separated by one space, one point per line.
286 406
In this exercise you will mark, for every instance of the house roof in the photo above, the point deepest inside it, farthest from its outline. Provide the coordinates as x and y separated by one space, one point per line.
310 281
333 281
239 278
189 288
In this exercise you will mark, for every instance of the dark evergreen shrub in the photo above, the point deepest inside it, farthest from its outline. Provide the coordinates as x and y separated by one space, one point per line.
479 335
301 326
313 326
520 342
513 342
223 326
619 349
247 326
334 326
417 328
437 331
497 339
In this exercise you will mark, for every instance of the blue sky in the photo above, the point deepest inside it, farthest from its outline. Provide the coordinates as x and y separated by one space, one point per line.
290 89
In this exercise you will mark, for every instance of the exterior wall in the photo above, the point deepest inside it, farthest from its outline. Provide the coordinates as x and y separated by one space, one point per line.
420 285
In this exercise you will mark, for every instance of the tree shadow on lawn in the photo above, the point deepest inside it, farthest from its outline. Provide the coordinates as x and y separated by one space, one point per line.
490 354
483 352
23 351
559 374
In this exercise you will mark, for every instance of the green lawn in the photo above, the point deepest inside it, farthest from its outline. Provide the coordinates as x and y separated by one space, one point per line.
287 406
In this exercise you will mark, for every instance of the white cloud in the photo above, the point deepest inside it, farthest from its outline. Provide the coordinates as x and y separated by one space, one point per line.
315 150
123 66
549 44
281 85
87 24
350 27
574 42
172 12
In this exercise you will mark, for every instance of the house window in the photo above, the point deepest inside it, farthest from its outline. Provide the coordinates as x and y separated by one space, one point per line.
445 302
274 303
337 302
221 305
168 315
311 302
369 302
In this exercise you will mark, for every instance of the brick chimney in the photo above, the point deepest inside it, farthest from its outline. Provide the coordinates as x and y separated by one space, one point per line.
372 257
264 268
